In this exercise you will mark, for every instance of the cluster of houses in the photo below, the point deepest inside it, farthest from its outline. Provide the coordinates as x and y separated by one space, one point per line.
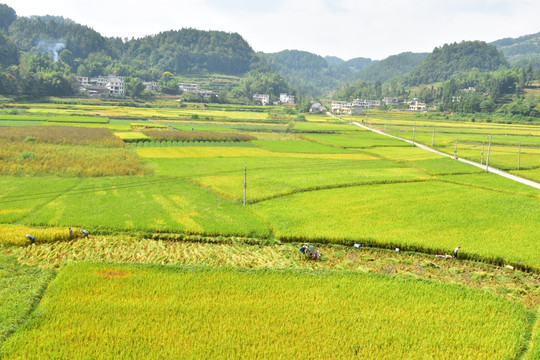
114 85
110 85
358 106
98 86
194 88
284 99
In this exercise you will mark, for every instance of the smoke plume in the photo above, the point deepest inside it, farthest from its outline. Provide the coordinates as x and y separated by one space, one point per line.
51 46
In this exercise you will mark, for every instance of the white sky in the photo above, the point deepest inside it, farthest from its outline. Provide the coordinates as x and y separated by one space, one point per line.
343 28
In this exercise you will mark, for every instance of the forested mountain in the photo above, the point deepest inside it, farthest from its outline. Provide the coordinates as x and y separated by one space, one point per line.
191 51
312 74
9 55
392 66
359 63
334 61
517 48
7 16
54 49
53 33
456 58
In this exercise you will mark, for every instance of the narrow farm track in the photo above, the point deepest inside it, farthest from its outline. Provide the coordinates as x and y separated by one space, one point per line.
424 147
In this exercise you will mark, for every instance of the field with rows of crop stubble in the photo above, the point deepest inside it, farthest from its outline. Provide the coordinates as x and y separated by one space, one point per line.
170 203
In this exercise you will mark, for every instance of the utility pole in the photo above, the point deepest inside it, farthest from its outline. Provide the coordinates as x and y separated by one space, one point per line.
489 150
245 183
482 153
433 139
413 131
519 156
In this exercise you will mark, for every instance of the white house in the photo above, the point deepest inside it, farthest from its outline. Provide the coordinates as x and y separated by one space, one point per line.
416 105
286 98
115 86
346 108
152 86
367 104
390 101
264 99
83 80
185 87
97 86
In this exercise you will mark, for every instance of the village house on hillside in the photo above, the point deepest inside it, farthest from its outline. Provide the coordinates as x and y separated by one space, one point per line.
263 99
367 104
317 107
98 86
286 98
152 86
346 108
390 101
194 88
416 105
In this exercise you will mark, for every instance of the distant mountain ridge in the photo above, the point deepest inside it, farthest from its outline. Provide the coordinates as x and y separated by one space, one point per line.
392 66
451 59
310 73
517 48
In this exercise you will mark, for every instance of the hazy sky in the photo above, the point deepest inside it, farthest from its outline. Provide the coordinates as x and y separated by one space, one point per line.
343 28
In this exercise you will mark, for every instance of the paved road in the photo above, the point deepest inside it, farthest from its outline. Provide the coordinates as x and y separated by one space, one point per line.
489 169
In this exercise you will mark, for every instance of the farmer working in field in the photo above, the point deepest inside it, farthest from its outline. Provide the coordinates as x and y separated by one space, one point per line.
70 234
303 249
84 233
456 251
31 238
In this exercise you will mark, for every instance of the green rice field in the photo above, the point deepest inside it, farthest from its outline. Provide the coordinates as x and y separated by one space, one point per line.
196 214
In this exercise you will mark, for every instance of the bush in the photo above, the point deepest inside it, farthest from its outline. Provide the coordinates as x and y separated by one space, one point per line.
26 155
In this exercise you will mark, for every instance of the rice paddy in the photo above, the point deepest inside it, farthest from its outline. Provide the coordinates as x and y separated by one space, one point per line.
132 311
151 196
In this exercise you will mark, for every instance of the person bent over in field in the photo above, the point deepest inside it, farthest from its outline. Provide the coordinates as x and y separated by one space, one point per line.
84 233
456 251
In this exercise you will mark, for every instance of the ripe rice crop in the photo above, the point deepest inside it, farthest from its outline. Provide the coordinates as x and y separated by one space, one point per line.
196 135
307 175
20 287
61 135
298 146
419 216
67 160
131 135
150 204
358 139
166 313
233 152
56 119
19 196
16 234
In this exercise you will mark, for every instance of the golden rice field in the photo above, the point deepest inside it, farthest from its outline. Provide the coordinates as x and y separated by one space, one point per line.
177 267
235 152
126 312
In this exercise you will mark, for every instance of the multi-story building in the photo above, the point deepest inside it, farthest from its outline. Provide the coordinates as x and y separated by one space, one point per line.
416 105
346 108
97 86
390 101
263 99
286 98
185 87
115 86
